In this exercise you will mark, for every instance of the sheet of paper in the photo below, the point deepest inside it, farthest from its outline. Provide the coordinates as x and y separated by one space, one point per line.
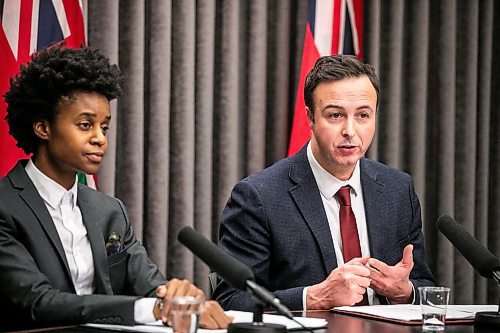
246 317
410 312
239 317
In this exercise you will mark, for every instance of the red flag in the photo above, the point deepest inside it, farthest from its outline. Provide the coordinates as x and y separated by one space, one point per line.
28 26
333 27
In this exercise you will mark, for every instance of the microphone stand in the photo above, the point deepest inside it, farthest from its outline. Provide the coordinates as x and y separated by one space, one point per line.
257 325
489 319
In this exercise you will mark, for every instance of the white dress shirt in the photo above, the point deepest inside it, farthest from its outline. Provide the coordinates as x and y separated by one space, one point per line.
67 217
328 186
68 221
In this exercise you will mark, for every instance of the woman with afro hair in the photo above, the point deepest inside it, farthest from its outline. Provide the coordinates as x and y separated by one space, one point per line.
68 254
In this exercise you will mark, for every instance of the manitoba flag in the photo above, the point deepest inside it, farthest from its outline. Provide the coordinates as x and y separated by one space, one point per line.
28 26
333 27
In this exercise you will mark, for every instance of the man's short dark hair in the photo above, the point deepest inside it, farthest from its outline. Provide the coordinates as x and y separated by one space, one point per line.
335 68
53 73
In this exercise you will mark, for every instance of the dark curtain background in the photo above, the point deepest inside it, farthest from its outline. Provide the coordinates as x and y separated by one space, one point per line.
209 97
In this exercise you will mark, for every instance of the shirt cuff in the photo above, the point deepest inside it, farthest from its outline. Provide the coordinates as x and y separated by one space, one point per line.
304 298
143 310
413 292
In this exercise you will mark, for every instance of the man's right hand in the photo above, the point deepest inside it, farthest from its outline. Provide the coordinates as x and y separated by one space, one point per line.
344 286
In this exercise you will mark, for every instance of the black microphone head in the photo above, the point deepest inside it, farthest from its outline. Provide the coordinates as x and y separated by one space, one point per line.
230 269
476 254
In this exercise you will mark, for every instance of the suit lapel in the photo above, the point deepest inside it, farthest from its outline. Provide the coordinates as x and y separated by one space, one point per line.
376 208
92 221
308 199
34 201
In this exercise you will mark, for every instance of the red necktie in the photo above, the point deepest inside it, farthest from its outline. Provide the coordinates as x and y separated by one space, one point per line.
348 230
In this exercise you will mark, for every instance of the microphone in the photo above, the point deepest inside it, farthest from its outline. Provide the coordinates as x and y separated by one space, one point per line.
479 257
485 262
238 275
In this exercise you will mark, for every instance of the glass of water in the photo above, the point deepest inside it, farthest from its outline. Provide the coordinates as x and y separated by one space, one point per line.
184 313
433 302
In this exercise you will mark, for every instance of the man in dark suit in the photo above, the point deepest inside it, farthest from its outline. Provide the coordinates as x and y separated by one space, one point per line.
328 227
67 252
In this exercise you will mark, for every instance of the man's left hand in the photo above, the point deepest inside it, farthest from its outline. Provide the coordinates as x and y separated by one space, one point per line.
393 282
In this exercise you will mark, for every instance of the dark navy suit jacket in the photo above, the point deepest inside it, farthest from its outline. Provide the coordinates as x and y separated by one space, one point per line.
275 223
36 288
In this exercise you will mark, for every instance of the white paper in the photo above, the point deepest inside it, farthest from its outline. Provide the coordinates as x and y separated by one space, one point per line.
408 312
239 317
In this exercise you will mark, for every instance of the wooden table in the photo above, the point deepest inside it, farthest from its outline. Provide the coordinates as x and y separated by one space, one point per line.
337 323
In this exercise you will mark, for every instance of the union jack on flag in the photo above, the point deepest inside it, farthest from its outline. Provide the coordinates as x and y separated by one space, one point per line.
30 25
333 27
27 26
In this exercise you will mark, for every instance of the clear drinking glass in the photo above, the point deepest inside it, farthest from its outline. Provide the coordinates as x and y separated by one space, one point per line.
184 313
433 302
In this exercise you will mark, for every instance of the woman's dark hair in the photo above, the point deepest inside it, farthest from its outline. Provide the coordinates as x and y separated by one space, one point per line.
51 74
334 68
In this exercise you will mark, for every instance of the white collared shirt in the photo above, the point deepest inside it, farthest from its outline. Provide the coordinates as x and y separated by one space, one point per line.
68 221
329 185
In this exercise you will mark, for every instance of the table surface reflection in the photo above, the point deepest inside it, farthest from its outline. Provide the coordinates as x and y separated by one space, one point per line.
347 323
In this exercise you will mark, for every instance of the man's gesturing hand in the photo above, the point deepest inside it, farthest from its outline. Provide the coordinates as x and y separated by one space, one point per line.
393 282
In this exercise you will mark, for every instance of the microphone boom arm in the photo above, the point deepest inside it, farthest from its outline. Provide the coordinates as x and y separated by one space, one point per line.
264 296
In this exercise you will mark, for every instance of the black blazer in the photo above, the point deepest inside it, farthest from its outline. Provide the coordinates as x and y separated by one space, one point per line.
275 223
35 281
